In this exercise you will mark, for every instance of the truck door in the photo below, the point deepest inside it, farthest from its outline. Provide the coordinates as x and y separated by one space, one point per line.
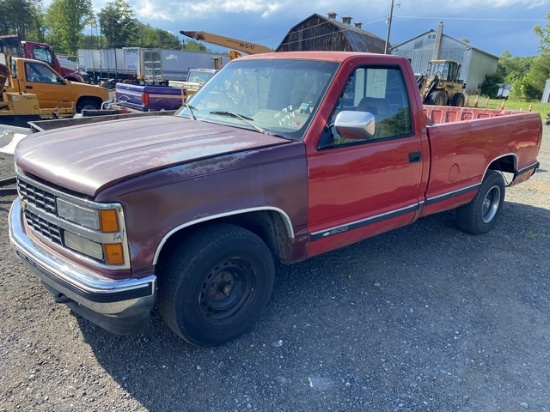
52 90
362 187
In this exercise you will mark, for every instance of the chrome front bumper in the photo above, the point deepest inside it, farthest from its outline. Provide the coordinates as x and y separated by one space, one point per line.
120 306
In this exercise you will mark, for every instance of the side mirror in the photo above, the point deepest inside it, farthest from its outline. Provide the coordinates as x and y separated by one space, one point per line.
355 125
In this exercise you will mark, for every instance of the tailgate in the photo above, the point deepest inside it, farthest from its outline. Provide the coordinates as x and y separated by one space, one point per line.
148 98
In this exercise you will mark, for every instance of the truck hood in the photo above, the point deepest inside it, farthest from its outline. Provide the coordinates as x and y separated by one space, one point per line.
89 158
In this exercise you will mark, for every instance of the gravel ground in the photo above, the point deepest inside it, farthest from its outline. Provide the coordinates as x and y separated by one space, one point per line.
424 318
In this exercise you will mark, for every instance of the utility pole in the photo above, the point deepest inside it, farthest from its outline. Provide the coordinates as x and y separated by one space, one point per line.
388 21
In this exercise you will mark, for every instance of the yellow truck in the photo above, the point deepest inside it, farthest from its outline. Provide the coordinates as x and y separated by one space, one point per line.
51 89
17 109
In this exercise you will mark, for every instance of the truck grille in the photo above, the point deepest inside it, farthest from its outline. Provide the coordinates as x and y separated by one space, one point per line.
45 228
39 198
71 226
43 200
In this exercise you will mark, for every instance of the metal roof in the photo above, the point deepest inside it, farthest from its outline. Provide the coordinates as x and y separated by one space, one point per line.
322 33
432 31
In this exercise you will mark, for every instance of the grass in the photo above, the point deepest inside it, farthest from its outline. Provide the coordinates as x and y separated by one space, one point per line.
511 104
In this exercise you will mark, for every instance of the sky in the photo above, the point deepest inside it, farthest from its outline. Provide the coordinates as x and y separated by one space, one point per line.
494 26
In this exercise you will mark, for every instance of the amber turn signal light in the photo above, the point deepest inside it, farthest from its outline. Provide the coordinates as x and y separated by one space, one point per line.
113 253
108 221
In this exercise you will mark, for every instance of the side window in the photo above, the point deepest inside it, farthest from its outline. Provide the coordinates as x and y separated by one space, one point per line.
43 54
40 73
381 92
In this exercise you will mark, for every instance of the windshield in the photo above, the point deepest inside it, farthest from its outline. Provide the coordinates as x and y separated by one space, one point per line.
196 76
272 96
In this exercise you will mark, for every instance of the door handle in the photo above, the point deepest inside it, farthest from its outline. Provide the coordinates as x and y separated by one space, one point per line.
28 87
415 157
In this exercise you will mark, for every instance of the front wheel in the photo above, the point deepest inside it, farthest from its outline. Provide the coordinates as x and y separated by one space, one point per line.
87 104
480 215
458 100
214 285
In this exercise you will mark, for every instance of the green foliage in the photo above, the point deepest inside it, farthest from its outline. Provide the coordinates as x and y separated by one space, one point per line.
530 81
117 24
192 45
22 17
65 20
513 68
544 35
150 37
490 87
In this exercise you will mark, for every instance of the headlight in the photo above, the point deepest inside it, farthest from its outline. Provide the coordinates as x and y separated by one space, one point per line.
77 214
105 220
83 245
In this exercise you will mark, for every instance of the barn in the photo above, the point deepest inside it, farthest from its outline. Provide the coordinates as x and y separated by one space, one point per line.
432 45
318 33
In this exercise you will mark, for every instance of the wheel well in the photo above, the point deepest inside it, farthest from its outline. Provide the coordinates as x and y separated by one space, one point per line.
269 225
504 164
84 98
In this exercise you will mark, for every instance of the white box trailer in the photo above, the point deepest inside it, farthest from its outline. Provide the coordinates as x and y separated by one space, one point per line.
164 65
106 64
147 65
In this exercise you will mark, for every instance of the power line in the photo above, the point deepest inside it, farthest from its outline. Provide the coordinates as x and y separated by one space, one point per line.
468 18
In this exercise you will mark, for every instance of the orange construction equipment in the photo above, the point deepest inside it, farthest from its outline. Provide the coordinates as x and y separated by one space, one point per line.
234 44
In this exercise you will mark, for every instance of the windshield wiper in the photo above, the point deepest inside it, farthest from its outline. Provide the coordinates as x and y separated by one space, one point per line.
191 110
242 117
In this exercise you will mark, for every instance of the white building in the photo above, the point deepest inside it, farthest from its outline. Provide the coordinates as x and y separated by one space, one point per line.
432 45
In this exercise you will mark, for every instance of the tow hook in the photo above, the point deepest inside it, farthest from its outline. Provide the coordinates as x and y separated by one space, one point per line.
61 298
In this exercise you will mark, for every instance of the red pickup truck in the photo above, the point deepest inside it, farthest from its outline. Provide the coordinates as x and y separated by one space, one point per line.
280 156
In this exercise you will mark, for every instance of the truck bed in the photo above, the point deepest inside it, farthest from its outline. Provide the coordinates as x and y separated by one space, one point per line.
148 97
450 114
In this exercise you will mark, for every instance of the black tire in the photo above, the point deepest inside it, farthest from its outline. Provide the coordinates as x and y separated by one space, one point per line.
458 100
87 104
480 215
215 284
437 98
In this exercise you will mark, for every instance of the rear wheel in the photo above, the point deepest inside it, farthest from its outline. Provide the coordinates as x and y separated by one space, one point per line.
480 215
437 98
214 285
458 100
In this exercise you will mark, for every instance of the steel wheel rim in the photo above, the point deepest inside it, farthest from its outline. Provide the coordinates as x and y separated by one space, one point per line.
226 290
490 204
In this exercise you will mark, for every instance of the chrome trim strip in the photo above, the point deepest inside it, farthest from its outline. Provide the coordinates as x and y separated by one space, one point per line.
58 193
364 222
286 219
93 235
454 193
90 234
100 294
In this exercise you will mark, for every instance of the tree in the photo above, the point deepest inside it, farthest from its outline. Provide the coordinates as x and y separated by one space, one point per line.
151 37
544 34
490 87
65 20
118 24
192 45
22 17
531 84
